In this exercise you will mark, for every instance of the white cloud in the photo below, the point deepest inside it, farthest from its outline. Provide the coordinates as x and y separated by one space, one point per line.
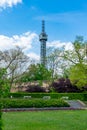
9 3
59 44
28 42
34 56
24 41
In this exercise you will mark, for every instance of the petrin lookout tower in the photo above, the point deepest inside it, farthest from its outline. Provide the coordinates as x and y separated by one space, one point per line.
43 39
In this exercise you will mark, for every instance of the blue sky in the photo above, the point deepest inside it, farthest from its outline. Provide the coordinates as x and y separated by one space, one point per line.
20 22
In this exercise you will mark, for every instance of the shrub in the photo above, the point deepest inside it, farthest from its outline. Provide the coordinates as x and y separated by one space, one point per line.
64 85
0 117
35 88
29 103
79 96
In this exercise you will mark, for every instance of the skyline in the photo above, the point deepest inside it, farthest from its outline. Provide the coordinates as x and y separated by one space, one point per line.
20 23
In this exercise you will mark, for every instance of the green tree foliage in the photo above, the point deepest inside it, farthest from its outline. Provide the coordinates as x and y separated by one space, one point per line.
70 63
36 72
78 69
78 52
78 75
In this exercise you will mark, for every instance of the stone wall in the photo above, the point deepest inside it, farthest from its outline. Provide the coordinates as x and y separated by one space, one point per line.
23 86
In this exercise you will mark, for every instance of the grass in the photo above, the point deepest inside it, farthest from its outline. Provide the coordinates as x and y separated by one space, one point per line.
46 120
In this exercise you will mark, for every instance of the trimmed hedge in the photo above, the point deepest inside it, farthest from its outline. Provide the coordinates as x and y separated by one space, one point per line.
37 103
0 118
79 96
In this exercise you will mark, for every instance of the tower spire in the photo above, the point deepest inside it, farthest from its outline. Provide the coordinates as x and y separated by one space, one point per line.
43 26
43 39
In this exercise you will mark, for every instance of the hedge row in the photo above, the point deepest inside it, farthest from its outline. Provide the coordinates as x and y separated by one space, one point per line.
37 103
0 117
79 96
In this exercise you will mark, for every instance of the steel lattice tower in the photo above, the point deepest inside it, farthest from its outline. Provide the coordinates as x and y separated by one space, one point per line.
43 39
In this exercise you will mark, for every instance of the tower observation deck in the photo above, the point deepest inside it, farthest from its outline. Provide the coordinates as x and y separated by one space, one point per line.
43 39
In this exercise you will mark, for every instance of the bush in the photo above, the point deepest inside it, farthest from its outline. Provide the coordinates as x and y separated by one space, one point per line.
79 96
85 96
29 103
0 117
35 88
64 85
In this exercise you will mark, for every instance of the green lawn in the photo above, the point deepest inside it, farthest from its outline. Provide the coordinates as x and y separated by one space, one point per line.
46 120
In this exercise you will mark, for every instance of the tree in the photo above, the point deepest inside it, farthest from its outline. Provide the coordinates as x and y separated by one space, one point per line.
78 52
78 69
54 61
78 75
68 62
35 73
15 62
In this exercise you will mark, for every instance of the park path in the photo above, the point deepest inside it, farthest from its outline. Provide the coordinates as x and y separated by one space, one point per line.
76 104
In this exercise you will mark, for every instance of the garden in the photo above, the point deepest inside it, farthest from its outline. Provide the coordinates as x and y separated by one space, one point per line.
37 86
18 118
